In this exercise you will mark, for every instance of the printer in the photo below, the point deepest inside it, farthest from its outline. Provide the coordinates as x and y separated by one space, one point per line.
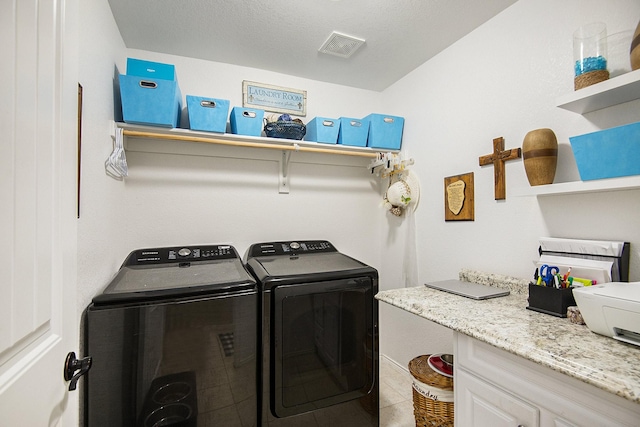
611 309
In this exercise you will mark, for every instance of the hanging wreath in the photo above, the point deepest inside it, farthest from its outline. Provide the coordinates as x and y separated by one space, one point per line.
402 193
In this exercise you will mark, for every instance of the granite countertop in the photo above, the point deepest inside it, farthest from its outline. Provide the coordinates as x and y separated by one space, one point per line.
506 324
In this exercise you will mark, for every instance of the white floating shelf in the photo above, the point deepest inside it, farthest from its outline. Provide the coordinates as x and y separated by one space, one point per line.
595 186
618 90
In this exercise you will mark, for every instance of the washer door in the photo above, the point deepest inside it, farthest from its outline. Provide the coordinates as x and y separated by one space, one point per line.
322 340
166 363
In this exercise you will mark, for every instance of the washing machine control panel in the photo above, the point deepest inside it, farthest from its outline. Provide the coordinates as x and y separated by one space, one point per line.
288 248
180 254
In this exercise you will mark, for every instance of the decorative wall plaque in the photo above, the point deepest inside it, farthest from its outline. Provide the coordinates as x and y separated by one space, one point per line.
274 98
458 198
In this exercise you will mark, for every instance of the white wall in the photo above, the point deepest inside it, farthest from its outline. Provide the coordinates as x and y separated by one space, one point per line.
207 193
501 80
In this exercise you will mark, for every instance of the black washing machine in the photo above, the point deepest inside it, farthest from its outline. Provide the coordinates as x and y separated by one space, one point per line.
173 341
319 335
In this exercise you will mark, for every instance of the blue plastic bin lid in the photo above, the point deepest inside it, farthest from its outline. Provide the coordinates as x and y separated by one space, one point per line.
149 69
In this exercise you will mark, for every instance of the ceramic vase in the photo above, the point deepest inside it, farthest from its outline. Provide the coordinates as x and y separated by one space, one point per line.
635 49
540 154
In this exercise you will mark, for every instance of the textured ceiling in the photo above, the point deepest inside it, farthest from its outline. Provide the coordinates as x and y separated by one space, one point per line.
284 36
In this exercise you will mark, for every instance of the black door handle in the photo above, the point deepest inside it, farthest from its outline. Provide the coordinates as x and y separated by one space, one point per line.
73 364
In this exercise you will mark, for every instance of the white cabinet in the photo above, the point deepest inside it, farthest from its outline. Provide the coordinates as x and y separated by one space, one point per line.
483 404
496 388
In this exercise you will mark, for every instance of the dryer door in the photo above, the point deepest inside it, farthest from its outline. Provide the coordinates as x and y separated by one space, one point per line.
321 352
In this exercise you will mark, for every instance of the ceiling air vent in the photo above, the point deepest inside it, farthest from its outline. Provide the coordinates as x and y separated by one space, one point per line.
341 45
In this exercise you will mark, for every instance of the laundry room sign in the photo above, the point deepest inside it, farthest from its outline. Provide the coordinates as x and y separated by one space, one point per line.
274 98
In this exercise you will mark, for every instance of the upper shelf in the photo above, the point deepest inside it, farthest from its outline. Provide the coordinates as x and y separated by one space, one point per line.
139 131
618 90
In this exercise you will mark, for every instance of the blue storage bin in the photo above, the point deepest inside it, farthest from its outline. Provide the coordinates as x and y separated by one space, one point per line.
385 131
208 114
608 153
246 121
322 129
152 70
150 101
353 132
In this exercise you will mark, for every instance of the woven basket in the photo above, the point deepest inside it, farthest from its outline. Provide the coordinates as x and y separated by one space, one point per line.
590 78
432 395
287 130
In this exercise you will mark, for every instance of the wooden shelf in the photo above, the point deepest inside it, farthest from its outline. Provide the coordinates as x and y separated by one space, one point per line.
187 135
151 139
618 90
595 186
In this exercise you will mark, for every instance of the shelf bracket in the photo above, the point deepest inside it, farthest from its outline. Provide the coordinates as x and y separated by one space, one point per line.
283 180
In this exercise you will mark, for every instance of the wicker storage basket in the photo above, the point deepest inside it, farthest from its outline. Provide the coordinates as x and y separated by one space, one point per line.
287 130
432 395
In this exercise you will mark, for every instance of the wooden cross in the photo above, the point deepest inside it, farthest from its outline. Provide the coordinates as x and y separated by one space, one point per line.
498 157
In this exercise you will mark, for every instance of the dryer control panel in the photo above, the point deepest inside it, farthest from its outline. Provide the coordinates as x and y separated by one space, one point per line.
180 254
289 248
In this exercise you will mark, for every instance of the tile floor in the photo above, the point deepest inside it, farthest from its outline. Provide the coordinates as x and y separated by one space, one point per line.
396 400
225 378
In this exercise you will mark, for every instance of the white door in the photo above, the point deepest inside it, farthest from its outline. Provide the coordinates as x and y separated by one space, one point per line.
38 152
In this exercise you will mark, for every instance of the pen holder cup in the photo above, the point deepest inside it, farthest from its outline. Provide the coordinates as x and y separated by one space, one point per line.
550 300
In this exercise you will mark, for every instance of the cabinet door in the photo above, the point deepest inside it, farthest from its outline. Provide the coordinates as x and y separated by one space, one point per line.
480 404
562 401
557 422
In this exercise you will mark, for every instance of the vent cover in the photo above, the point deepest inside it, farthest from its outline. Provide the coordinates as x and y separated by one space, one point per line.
341 45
